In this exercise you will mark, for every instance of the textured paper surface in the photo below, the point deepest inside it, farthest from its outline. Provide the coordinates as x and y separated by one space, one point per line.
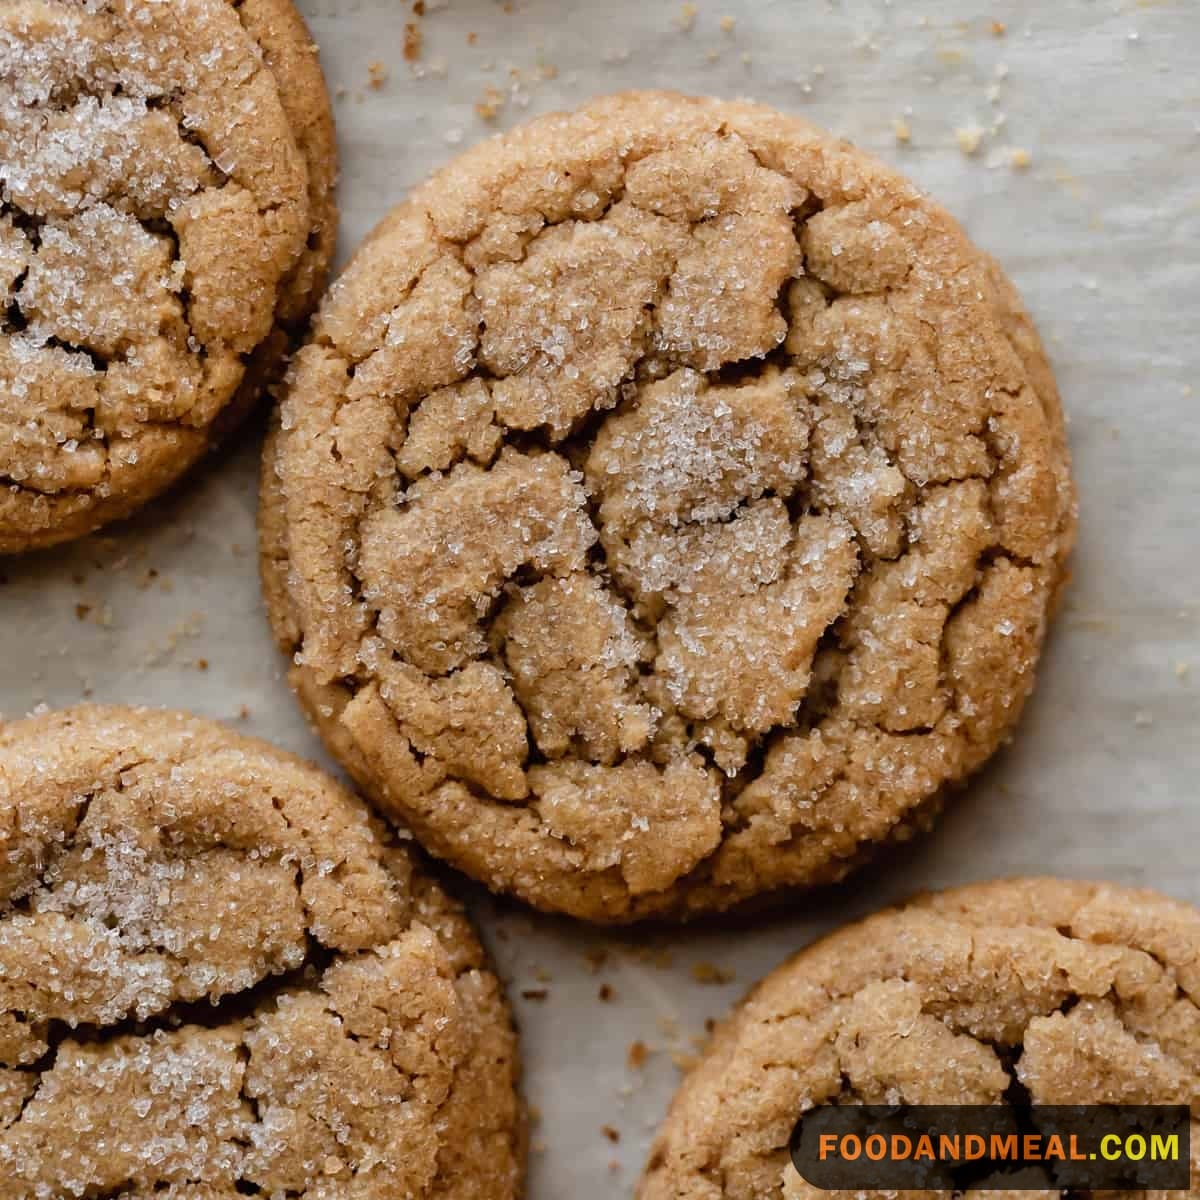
1100 232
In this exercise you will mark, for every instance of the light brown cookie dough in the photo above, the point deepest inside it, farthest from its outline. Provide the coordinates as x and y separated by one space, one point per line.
1077 993
166 222
218 977
666 510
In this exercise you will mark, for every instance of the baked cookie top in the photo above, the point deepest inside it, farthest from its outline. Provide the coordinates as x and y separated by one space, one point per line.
166 211
217 976
668 504
1078 993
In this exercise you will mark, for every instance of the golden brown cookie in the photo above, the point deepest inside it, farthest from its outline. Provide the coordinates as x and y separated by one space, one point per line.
217 977
1083 993
166 223
667 509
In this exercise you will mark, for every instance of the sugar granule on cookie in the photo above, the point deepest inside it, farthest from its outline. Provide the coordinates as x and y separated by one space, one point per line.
166 223
667 509
1038 991
218 976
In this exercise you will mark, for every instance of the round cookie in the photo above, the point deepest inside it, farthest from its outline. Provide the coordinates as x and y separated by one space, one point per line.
166 225
218 977
1080 993
666 510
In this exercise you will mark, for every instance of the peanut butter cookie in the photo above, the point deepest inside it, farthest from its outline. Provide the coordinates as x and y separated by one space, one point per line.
218 977
1077 993
166 222
667 509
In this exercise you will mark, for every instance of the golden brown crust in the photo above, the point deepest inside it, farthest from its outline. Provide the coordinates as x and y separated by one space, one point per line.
216 971
667 509
1084 992
158 250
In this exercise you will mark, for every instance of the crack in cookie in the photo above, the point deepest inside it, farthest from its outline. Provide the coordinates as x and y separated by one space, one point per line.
217 975
166 221
666 440
1043 990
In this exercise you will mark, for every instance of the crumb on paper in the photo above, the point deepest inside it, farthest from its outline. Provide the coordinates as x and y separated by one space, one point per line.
606 993
1182 670
728 24
687 17
613 1135
490 104
377 74
999 29
537 994
659 957
969 138
472 38
637 1055
902 131
189 626
412 42
707 972
1019 158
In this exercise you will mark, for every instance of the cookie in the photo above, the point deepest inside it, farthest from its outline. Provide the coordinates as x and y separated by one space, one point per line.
1079 993
166 222
666 510
218 977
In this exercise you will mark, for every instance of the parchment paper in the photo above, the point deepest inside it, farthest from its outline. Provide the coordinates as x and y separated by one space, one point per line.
1100 231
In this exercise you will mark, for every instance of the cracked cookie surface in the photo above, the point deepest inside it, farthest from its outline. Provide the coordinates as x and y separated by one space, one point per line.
1074 993
667 508
166 223
218 977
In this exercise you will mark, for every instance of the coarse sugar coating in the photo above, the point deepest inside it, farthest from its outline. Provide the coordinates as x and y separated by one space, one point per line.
666 510
219 977
166 224
1067 993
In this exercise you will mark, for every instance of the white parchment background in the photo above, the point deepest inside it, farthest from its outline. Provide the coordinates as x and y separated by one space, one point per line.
1101 233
